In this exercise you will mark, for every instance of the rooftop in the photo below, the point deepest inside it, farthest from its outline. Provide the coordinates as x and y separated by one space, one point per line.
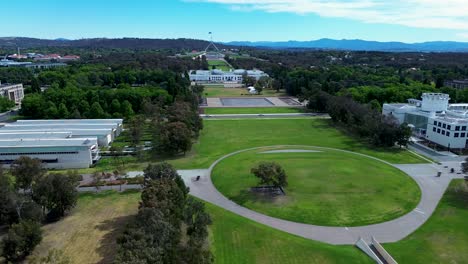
74 131
77 121
69 142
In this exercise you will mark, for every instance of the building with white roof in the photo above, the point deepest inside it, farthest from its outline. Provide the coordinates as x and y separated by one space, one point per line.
434 119
219 76
54 153
59 144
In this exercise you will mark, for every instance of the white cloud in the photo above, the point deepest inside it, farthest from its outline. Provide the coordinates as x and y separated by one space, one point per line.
463 35
435 14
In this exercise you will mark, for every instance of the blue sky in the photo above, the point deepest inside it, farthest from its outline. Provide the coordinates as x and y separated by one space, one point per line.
253 20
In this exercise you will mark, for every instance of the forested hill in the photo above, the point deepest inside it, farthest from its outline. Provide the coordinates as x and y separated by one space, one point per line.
123 43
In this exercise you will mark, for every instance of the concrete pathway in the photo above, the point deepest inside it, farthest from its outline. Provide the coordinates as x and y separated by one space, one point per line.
432 189
278 115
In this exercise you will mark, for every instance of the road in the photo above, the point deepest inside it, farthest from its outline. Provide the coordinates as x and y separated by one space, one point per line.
279 115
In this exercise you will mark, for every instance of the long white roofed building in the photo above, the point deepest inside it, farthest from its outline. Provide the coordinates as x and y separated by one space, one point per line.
59 144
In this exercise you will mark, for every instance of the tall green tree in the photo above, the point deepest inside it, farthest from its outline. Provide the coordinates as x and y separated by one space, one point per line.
96 111
35 85
270 173
57 193
22 238
164 171
26 171
172 138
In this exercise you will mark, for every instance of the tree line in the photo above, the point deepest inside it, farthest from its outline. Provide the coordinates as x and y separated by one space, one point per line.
28 198
364 120
170 227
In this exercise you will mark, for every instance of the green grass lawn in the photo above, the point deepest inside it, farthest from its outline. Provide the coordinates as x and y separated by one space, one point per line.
221 137
220 91
237 240
219 64
442 239
252 110
330 188
88 235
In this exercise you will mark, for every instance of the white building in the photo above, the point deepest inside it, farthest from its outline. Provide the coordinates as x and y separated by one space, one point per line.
434 119
219 76
54 153
59 144
14 92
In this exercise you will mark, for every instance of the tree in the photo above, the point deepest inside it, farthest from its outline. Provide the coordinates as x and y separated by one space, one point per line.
97 180
127 110
57 193
258 87
197 221
150 238
35 86
51 111
182 112
96 111
166 196
270 173
115 107
26 170
22 238
172 138
403 135
164 171
135 129
6 104
8 213
63 111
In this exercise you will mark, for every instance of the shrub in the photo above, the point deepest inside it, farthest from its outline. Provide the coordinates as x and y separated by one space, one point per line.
22 238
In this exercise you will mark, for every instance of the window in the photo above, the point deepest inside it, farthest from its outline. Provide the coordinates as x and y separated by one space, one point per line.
463 128
439 124
434 129
456 135
448 133
444 126
449 127
438 130
435 123
462 135
443 132
457 128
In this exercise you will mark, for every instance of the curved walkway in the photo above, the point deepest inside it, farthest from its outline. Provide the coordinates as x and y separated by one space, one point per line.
432 189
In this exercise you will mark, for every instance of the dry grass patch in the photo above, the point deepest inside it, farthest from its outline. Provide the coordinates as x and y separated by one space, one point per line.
88 234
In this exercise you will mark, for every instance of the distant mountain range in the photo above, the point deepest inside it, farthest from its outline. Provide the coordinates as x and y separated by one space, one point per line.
195 44
360 45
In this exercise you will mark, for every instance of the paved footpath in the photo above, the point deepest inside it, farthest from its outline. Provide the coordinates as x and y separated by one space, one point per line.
432 189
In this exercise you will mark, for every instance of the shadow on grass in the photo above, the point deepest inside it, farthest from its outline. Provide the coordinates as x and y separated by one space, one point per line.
247 195
106 193
108 244
457 195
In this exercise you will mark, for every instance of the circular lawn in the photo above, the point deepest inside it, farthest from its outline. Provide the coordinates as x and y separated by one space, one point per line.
325 187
